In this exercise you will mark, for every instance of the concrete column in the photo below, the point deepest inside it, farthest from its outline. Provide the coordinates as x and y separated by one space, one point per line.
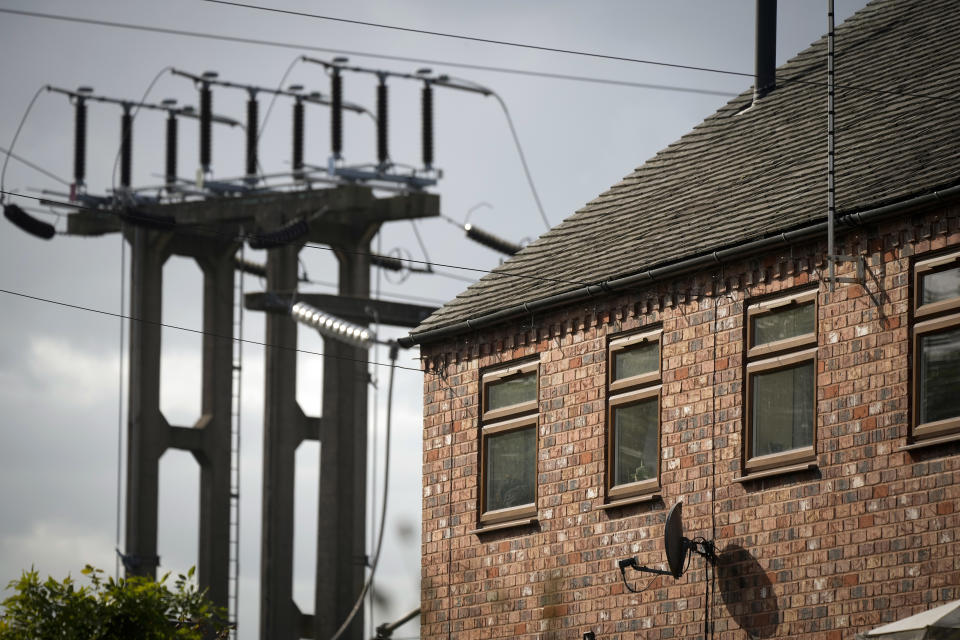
341 543
213 562
279 618
146 427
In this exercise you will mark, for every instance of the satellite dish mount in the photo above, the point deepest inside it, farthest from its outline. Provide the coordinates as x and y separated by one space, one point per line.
677 548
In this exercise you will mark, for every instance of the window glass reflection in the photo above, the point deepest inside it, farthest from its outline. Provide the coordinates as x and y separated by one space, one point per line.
511 468
636 360
780 324
635 441
512 390
939 375
939 286
782 406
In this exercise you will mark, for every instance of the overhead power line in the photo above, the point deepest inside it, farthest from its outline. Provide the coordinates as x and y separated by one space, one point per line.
523 159
35 167
574 52
13 142
367 54
456 36
267 345
462 65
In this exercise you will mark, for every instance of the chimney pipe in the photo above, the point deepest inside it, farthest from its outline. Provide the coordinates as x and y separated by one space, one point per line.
765 79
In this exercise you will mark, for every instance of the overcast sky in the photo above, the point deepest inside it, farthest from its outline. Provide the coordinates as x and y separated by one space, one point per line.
60 384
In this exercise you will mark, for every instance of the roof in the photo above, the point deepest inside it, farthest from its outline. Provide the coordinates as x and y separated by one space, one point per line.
916 627
748 172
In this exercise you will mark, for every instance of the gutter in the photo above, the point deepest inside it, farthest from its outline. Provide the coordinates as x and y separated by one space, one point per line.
676 268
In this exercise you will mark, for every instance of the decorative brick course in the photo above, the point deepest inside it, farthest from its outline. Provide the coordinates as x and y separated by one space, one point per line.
867 537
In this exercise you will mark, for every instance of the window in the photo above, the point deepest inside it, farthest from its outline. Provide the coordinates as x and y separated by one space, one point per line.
634 415
936 346
781 382
508 449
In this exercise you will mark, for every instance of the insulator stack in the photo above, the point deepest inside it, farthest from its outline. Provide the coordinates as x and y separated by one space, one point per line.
336 113
427 125
28 223
253 268
80 143
253 131
171 171
279 237
126 147
390 263
487 239
331 326
298 138
382 123
206 126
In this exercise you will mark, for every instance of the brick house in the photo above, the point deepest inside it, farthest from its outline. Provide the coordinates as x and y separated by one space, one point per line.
677 339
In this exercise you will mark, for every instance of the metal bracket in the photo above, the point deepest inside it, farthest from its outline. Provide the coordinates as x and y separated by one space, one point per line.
880 297
861 269
356 174
132 562
222 188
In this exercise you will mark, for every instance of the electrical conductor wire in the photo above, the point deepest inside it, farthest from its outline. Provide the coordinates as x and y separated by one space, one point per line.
423 246
78 307
523 159
556 76
13 142
273 99
367 54
35 167
304 14
574 52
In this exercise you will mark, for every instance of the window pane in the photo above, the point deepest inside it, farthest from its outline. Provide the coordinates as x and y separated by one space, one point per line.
635 440
939 375
511 468
636 360
782 409
780 324
941 285
513 390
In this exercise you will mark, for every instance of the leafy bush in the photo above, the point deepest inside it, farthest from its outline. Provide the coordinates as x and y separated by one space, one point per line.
108 609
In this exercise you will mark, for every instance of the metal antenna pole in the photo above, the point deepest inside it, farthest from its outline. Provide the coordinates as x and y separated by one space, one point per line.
831 200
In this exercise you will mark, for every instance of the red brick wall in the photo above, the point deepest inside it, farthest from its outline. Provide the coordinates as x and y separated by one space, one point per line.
868 537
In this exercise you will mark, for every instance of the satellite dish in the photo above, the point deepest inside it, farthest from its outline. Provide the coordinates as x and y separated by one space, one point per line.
677 547
673 541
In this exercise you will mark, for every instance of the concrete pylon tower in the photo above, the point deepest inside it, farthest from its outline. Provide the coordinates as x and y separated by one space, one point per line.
149 434
342 427
345 218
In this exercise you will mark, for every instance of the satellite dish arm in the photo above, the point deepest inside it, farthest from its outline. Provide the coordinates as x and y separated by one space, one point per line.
636 566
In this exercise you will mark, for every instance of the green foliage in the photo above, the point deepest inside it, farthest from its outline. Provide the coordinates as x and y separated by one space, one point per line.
108 609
